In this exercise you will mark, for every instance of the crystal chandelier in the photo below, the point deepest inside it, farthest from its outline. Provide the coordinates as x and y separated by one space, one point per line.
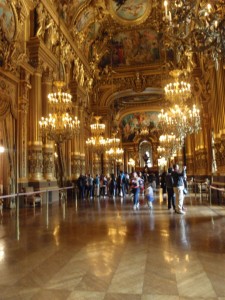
180 120
115 152
60 125
97 142
168 145
97 129
199 26
178 90
131 162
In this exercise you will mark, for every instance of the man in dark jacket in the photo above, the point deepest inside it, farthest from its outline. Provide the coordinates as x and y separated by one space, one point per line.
169 188
178 186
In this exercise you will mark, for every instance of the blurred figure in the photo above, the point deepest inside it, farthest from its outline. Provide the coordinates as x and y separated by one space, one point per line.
135 188
169 188
178 185
149 194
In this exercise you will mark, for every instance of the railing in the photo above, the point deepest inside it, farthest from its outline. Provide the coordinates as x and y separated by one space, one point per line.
204 188
62 199
218 189
39 192
199 187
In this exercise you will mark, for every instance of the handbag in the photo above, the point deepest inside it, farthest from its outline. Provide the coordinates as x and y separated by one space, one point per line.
185 191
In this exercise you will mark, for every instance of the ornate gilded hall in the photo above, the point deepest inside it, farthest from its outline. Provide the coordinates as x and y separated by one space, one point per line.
100 86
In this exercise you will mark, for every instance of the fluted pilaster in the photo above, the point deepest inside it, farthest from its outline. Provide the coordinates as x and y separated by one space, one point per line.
22 125
35 144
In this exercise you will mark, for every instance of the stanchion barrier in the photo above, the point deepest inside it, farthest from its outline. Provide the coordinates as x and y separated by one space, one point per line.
34 192
211 187
201 183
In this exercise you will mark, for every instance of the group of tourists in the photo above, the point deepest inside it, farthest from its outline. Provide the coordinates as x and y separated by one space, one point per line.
136 184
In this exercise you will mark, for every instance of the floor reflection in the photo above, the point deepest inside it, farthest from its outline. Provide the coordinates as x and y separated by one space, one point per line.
103 249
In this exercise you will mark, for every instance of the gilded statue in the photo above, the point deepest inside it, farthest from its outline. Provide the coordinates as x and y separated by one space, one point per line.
81 81
41 19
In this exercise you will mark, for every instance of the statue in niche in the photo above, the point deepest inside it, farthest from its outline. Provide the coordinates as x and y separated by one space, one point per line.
41 19
146 159
48 36
139 83
76 69
81 75
95 70
89 84
190 63
102 10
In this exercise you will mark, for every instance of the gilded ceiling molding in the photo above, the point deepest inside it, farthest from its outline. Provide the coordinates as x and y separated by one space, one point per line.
49 32
80 10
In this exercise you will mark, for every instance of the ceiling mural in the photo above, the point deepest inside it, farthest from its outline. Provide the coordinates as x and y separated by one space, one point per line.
132 124
130 10
133 48
8 19
84 19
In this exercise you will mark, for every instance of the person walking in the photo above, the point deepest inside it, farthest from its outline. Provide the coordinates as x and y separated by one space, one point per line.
178 185
135 187
90 180
169 189
149 196
97 185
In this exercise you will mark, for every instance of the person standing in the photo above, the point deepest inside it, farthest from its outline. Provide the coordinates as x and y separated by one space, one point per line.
149 196
90 180
135 186
97 185
169 189
178 185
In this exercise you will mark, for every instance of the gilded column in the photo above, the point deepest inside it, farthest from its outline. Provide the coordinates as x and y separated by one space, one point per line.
22 124
68 160
106 165
154 154
81 141
190 155
35 157
125 160
221 91
75 152
48 146
96 164
221 96
216 107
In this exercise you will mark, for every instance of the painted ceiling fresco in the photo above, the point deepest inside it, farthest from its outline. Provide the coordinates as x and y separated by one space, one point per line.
131 10
8 19
131 123
84 19
133 48
94 23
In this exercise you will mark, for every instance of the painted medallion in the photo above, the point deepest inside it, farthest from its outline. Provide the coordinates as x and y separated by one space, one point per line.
130 11
8 19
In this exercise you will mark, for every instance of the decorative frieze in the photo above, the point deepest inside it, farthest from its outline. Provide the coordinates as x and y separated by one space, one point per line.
75 165
48 162
35 162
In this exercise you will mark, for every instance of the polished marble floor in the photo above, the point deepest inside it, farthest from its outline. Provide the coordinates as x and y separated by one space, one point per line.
102 249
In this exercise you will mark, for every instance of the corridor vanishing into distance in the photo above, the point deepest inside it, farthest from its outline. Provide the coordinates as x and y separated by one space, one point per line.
103 249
